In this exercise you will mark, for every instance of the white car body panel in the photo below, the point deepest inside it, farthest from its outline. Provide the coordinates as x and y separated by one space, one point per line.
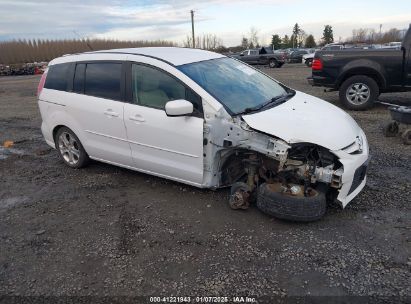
147 140
308 56
158 144
305 118
173 55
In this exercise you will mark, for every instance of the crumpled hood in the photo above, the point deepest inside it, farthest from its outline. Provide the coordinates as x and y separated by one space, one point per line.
305 118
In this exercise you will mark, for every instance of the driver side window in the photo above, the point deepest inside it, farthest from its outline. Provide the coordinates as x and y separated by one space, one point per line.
154 88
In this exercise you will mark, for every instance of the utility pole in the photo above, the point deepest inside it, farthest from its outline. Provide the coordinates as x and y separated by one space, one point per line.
192 28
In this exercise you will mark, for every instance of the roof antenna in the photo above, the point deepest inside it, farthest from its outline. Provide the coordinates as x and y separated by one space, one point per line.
82 38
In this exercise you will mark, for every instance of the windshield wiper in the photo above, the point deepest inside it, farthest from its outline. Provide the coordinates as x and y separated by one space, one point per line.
273 101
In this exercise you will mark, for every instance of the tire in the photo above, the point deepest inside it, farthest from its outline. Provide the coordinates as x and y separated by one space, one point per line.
273 63
292 208
391 129
359 93
406 137
309 62
70 149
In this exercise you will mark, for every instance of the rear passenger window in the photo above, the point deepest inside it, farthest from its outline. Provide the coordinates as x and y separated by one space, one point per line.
78 82
57 77
103 80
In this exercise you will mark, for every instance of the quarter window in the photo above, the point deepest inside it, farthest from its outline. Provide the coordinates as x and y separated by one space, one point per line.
57 77
154 88
103 80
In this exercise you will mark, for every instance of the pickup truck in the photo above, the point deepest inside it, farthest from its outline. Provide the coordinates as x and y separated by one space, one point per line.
261 56
361 75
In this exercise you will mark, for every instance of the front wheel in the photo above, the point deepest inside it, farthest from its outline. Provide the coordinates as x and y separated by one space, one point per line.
309 62
359 92
298 208
70 148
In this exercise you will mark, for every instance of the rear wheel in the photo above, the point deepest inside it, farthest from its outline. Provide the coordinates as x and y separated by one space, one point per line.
70 148
358 92
273 63
309 62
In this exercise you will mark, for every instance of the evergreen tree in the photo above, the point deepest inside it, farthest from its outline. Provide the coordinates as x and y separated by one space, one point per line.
310 42
328 35
244 43
276 41
295 35
286 42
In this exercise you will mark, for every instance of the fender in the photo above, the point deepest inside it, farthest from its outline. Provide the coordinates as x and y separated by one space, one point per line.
59 117
363 67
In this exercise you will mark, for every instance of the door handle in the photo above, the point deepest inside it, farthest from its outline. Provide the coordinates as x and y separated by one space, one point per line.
110 112
137 118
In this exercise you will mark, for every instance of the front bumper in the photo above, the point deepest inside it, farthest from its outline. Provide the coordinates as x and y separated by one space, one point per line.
355 173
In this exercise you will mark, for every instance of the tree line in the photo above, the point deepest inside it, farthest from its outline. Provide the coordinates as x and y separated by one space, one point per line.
38 50
299 38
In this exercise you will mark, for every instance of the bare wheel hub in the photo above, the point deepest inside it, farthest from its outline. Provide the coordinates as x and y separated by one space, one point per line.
240 199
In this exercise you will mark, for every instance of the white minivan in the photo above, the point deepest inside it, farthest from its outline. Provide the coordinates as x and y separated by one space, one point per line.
206 120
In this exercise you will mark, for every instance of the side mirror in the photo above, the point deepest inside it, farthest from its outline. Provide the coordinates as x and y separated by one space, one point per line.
179 107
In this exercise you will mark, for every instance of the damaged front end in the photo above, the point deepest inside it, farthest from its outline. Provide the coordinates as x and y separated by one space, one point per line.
240 157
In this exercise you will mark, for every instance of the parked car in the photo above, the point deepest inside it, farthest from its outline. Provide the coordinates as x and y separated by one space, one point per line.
297 56
361 75
263 56
207 120
308 58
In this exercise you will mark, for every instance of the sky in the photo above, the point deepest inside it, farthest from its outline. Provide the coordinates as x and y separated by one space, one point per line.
170 20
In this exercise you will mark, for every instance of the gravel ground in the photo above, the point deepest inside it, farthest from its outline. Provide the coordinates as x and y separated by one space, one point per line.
109 231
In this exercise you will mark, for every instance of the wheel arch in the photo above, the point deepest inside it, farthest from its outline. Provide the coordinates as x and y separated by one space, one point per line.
55 130
363 71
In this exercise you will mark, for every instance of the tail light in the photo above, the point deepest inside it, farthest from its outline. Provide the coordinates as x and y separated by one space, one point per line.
317 65
41 83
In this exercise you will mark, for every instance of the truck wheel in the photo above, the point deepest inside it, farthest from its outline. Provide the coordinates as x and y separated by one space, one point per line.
273 63
309 62
297 208
359 92
406 137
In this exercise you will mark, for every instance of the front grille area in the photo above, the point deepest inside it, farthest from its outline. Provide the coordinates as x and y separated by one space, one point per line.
359 176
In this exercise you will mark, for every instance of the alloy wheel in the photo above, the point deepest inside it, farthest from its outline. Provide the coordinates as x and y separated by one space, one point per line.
358 93
69 148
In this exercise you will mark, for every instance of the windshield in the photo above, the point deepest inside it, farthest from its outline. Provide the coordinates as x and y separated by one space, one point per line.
235 85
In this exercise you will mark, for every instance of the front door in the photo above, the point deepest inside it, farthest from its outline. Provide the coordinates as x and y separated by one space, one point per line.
166 146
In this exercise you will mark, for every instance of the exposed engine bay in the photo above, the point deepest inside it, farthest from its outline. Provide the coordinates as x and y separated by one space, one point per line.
245 159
